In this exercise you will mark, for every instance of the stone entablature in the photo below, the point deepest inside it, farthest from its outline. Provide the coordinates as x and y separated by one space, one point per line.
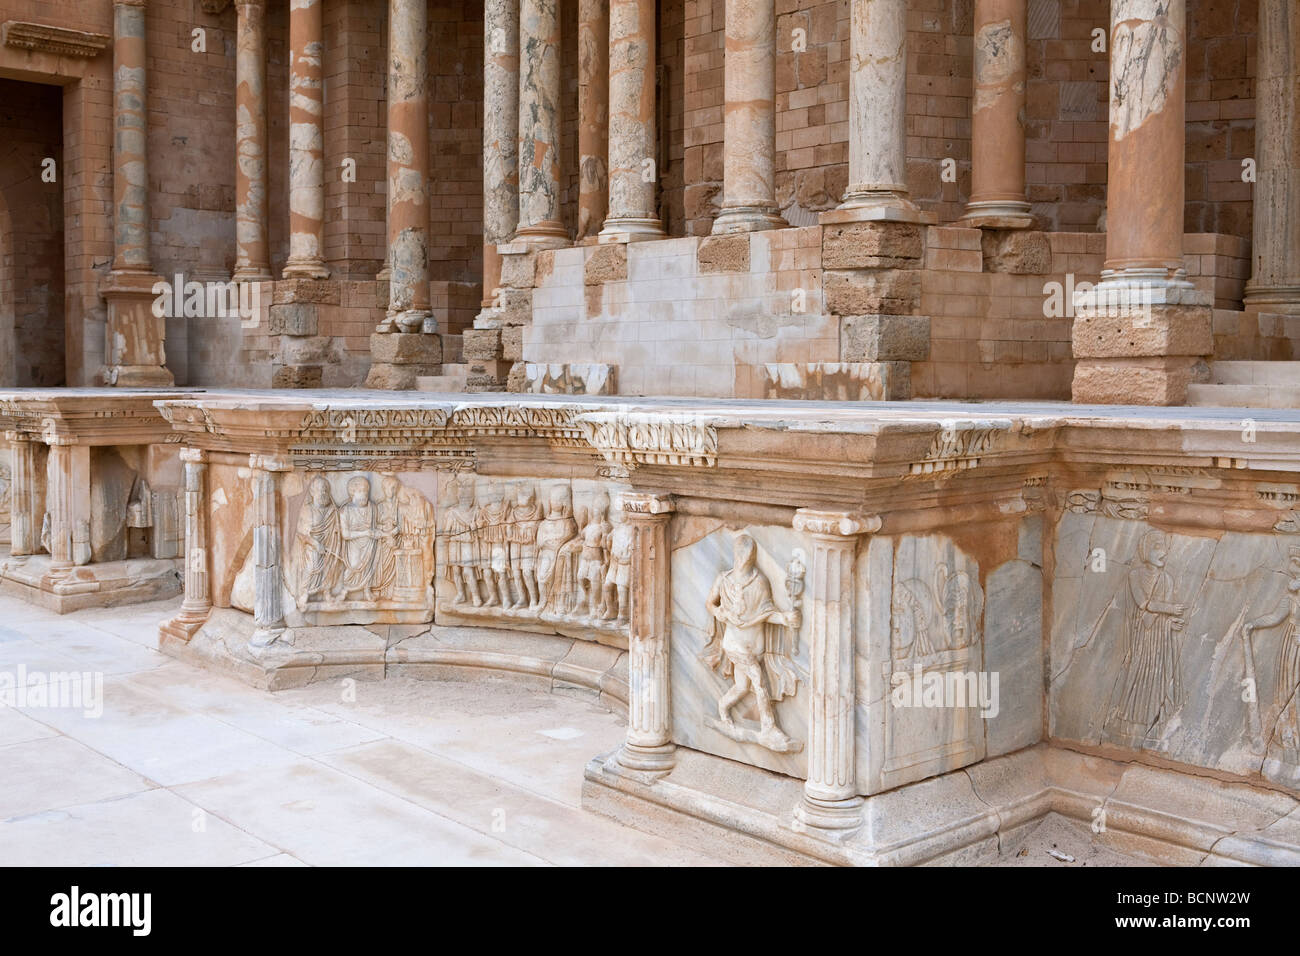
60 41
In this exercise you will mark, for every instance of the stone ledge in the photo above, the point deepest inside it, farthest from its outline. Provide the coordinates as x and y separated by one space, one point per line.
99 584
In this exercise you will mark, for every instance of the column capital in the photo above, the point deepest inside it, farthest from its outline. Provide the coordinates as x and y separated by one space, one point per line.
193 455
835 524
268 462
648 505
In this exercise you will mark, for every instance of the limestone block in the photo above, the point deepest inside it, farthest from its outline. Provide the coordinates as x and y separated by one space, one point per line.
293 318
605 263
481 344
1138 381
386 375
318 291
311 350
516 307
1017 251
723 253
512 343
296 376
893 292
1131 331
517 270
406 348
517 380
859 245
882 338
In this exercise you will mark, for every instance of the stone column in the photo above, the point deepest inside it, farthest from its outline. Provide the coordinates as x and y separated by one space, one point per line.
198 596
1141 334
408 166
594 85
24 517
649 745
830 798
306 142
539 124
500 137
268 603
633 142
1275 277
749 128
998 199
67 498
134 352
252 249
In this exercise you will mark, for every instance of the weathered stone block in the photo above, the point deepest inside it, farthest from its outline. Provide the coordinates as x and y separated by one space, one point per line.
512 343
406 348
893 292
295 318
398 377
481 344
880 338
1139 381
1016 251
605 263
296 376
859 245
320 291
517 270
723 254
517 380
516 307
310 350
1147 330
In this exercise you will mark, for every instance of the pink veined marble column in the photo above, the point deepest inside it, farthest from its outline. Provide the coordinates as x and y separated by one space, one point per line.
198 596
408 166
749 120
594 85
649 745
500 137
24 521
633 172
1275 251
67 499
252 249
268 550
539 124
306 142
998 199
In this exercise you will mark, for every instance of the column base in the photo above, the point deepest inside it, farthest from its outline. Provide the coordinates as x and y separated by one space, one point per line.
543 235
997 214
832 815
659 759
631 230
136 335
264 637
252 274
877 212
410 320
1282 299
748 219
305 269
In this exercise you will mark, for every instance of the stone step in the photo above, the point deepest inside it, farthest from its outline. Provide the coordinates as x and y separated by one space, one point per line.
452 379
1284 374
1243 396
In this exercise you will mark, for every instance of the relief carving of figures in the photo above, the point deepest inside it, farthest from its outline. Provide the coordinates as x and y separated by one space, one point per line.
750 641
592 559
459 525
320 543
525 519
365 563
1150 688
928 620
619 576
1286 728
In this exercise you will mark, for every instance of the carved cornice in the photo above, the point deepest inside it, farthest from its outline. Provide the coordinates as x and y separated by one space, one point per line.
41 38
644 438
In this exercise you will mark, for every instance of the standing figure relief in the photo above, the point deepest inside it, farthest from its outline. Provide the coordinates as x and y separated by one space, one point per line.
1285 734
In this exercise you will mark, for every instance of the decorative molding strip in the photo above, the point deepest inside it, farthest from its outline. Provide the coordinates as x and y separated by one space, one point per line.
23 35
640 438
1096 502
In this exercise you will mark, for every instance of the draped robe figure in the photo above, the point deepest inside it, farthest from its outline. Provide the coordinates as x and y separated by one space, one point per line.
459 528
359 527
554 534
1286 729
318 532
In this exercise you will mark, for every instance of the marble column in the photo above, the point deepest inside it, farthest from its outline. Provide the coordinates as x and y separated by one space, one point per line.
67 499
649 745
998 199
830 799
539 124
877 110
306 142
198 596
1274 284
749 119
500 137
252 248
594 86
24 516
268 552
134 336
633 141
408 166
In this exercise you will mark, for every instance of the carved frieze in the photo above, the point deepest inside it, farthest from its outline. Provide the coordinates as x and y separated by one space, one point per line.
61 41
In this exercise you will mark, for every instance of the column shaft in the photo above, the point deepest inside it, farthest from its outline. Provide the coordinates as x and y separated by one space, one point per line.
997 197
67 498
198 596
24 519
633 142
252 249
408 164
268 603
500 136
539 123
749 119
130 140
649 744
594 87
306 142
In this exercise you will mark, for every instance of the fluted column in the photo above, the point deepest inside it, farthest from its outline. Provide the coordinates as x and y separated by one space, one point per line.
749 119
24 518
633 142
594 85
500 137
998 199
198 596
408 166
306 142
252 249
268 602
539 123
1274 284
830 799
67 499
649 744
